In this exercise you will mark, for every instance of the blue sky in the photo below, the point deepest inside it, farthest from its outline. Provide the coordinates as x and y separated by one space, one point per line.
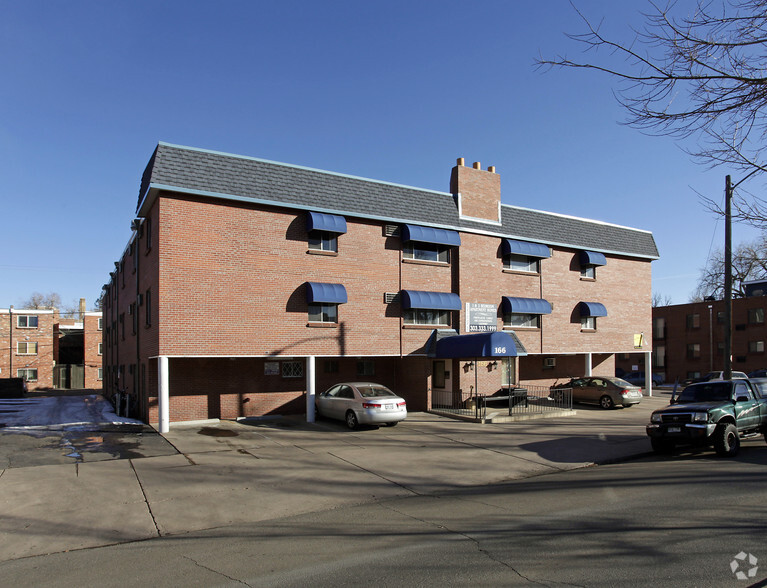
393 91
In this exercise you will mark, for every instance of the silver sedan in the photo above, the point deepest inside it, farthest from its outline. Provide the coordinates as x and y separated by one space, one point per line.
362 403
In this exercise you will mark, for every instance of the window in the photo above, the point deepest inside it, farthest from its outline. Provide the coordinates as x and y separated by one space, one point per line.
426 251
693 375
589 272
588 323
438 379
720 348
100 373
720 317
522 263
147 226
421 316
693 351
659 356
122 326
132 312
756 316
148 308
29 374
24 321
331 366
101 324
659 328
26 348
101 349
520 320
292 369
366 367
323 313
693 321
756 346
323 241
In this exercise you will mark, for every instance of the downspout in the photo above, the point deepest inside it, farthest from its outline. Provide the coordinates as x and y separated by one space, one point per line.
10 349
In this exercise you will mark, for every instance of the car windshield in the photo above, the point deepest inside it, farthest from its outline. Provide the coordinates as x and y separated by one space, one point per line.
710 391
370 391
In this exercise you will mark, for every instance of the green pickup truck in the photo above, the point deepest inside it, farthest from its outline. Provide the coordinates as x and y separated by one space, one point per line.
717 413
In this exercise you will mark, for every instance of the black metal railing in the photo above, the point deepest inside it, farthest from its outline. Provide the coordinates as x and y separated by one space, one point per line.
514 401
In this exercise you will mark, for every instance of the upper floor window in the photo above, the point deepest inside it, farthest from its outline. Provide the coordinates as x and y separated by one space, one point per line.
427 316
101 324
524 312
519 320
426 251
26 348
522 263
756 316
590 260
323 241
323 230
693 321
428 243
693 351
659 328
588 323
589 312
24 321
323 313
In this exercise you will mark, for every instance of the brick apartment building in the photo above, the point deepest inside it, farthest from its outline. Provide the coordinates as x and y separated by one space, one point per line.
247 285
688 339
50 351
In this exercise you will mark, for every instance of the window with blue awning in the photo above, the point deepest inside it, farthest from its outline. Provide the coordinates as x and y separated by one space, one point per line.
525 305
593 258
430 300
322 293
514 247
592 309
430 235
320 221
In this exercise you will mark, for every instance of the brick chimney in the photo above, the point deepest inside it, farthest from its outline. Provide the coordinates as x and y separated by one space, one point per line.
477 192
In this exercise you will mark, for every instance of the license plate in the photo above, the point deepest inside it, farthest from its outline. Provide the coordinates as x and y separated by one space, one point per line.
674 429
389 406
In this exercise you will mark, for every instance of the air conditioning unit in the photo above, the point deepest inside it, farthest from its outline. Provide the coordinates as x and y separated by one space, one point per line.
390 297
550 362
391 230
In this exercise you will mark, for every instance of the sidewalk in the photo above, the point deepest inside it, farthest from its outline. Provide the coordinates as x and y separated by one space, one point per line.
234 472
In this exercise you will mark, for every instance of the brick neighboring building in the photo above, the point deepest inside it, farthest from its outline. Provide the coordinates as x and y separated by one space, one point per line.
688 339
31 347
246 283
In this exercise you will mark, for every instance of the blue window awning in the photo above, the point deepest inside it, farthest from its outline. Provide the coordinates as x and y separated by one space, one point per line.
317 292
495 344
319 221
526 305
538 250
430 235
592 258
592 309
430 300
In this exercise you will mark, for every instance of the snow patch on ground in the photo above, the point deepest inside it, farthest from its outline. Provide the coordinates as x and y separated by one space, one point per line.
59 412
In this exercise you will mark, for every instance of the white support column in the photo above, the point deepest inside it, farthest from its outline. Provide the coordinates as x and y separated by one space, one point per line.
163 393
648 372
587 367
310 389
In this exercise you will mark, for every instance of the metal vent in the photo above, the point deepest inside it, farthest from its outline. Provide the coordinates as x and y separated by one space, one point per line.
391 230
391 297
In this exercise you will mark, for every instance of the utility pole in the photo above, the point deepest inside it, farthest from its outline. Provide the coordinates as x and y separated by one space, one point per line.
727 279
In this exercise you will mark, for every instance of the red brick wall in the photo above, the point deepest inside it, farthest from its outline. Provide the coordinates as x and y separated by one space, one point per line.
11 335
92 337
480 192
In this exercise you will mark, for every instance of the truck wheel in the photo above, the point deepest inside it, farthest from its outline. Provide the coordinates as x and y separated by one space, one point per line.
726 441
662 445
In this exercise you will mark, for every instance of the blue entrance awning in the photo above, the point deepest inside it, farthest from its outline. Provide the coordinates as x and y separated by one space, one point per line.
526 305
319 221
592 309
592 258
325 293
430 300
496 344
430 235
525 248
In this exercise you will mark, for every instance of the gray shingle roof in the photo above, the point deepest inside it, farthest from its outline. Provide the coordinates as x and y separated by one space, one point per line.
236 177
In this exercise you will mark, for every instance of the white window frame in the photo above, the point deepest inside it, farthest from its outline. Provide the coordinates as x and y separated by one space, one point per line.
421 251
26 318
588 323
522 263
589 272
26 345
420 316
25 373
323 312
323 241
292 369
519 320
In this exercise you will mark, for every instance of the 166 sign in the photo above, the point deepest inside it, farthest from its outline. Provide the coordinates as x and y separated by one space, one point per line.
481 318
